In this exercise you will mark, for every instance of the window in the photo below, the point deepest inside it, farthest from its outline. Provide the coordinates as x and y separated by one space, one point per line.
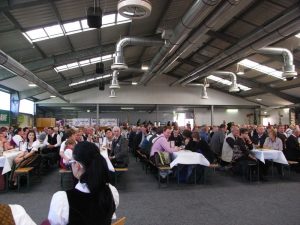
26 106
5 101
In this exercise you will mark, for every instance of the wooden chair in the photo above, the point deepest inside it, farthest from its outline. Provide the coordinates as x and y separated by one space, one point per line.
23 172
118 171
120 221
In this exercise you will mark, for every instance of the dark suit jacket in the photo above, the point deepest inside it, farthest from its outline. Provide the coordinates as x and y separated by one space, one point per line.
256 139
292 151
120 151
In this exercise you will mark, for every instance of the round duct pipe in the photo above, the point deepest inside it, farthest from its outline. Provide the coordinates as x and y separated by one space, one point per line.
134 9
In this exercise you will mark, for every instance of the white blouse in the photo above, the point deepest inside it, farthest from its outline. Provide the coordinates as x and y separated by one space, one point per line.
59 206
20 216
34 147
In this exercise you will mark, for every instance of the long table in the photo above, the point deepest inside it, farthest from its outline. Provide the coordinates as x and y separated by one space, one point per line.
275 155
7 159
188 157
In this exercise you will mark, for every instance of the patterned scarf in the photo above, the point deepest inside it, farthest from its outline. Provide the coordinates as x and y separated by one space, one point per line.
6 217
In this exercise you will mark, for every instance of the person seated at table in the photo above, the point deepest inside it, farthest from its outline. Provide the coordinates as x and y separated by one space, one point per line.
17 138
70 135
217 140
68 153
93 200
107 140
292 151
161 144
190 142
259 136
273 142
28 157
119 152
3 139
53 142
14 214
282 135
228 145
242 156
203 147
176 137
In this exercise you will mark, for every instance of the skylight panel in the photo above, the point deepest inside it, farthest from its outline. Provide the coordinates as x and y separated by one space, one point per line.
297 35
84 62
89 80
261 68
72 27
84 25
109 19
54 31
96 59
61 68
106 57
72 65
122 19
37 34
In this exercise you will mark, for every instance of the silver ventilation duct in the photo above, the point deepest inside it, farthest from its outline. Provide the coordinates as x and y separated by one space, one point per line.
193 17
274 31
203 89
114 81
216 20
288 69
233 87
119 63
15 67
112 93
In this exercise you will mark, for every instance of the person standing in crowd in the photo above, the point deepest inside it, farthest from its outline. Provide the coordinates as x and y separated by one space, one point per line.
119 151
217 140
204 133
52 142
107 141
131 138
93 201
228 146
259 136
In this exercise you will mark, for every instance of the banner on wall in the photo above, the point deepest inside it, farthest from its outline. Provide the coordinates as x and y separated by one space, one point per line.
108 122
78 122
4 117
94 122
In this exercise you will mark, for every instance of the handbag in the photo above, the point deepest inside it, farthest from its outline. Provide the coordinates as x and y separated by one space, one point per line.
162 158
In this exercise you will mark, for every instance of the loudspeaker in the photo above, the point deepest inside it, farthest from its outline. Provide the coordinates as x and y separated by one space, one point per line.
101 86
94 17
99 68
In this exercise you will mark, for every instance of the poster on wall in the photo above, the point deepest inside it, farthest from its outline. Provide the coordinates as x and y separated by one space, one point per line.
108 122
4 117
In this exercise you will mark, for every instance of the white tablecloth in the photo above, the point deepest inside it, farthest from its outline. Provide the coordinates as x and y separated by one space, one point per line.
7 159
275 155
188 158
109 164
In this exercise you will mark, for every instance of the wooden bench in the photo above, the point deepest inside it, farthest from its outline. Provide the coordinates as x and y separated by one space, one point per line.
118 171
120 221
290 163
63 173
23 172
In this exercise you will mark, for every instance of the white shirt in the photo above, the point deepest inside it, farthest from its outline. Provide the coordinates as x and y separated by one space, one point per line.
59 206
34 147
106 142
20 216
17 139
62 146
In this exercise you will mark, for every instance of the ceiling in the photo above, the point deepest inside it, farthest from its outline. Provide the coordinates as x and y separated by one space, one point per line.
235 25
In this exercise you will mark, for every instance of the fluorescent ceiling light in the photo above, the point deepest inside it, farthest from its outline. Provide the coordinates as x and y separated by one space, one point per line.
53 31
265 112
127 108
32 85
144 67
82 63
259 99
68 108
227 82
52 96
261 68
286 110
297 35
89 80
88 110
134 83
232 110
